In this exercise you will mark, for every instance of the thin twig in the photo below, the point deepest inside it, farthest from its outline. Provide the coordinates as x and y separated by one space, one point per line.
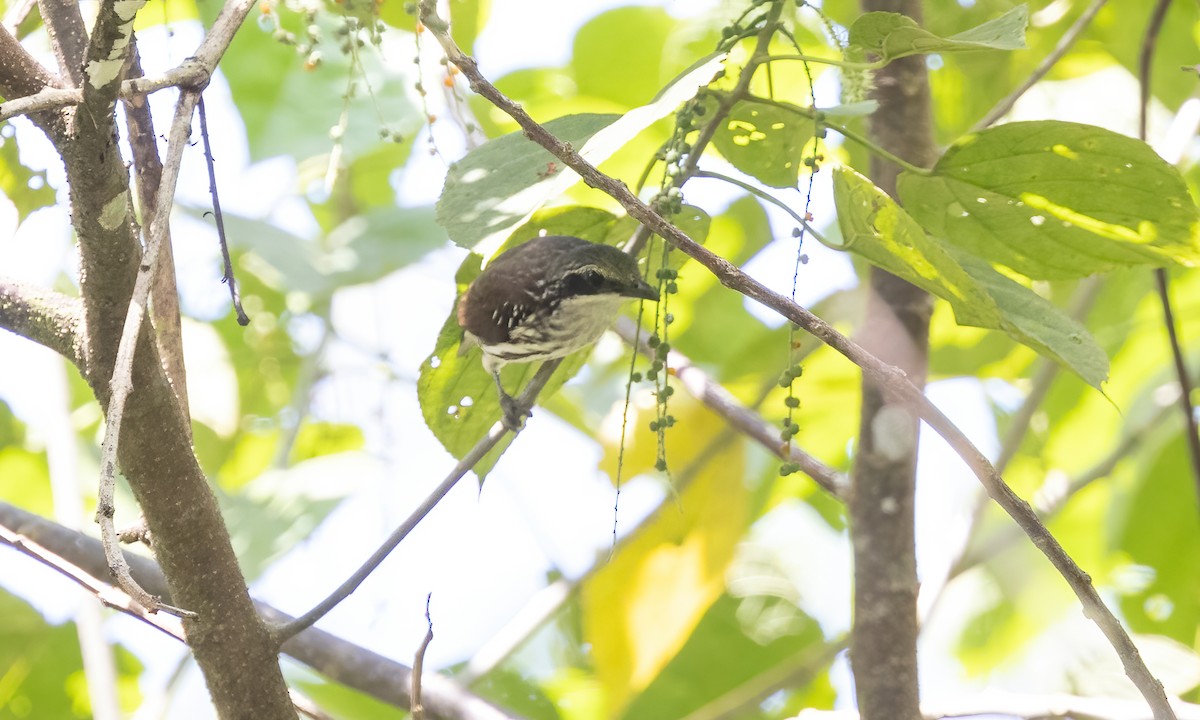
1064 44
768 197
891 379
1051 496
121 383
189 74
164 293
16 13
281 633
1161 280
417 709
107 594
722 402
228 277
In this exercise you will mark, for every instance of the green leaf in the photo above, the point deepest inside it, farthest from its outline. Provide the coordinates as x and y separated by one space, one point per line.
290 108
1053 199
642 606
25 189
42 668
458 397
879 230
643 33
765 141
892 35
499 184
362 249
279 509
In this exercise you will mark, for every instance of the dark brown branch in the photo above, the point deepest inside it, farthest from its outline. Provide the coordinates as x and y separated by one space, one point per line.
228 278
164 294
882 504
1161 280
20 74
68 37
890 378
43 316
335 658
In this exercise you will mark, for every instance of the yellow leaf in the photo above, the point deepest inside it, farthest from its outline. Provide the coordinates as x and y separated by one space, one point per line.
641 608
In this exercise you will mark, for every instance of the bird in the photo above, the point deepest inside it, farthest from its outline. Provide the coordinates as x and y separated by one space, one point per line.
544 299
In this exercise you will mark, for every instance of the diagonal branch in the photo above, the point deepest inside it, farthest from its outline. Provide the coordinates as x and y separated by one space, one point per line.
68 37
738 416
892 380
20 74
283 632
43 316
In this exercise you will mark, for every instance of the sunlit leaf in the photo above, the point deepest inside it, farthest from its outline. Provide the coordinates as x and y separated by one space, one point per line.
1057 200
25 189
642 606
879 230
501 183
643 32
765 141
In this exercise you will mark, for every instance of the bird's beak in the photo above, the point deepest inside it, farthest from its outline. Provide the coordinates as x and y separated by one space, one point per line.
643 290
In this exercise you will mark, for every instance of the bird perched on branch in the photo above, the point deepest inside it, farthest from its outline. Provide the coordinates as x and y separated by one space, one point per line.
543 300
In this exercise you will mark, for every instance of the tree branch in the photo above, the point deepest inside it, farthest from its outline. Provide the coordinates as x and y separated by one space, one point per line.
1065 43
82 559
468 461
738 416
188 74
164 294
890 378
20 74
68 37
43 316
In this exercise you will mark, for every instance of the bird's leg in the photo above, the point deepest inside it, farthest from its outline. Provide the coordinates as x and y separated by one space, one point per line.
514 413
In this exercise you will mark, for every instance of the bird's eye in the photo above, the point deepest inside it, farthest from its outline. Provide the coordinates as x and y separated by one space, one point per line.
584 282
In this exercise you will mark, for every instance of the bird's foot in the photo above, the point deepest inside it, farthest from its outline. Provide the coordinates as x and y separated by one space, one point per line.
513 413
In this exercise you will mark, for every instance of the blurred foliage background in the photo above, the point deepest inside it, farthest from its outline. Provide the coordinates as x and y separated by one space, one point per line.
727 594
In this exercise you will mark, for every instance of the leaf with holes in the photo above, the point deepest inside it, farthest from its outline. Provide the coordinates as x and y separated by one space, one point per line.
880 231
892 35
765 141
1053 199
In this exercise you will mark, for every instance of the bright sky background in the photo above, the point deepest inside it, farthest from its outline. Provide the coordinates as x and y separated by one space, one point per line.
546 507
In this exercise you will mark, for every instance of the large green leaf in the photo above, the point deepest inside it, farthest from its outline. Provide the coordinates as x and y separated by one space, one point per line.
892 35
879 230
765 141
360 250
458 397
499 184
1057 200
42 670
628 72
